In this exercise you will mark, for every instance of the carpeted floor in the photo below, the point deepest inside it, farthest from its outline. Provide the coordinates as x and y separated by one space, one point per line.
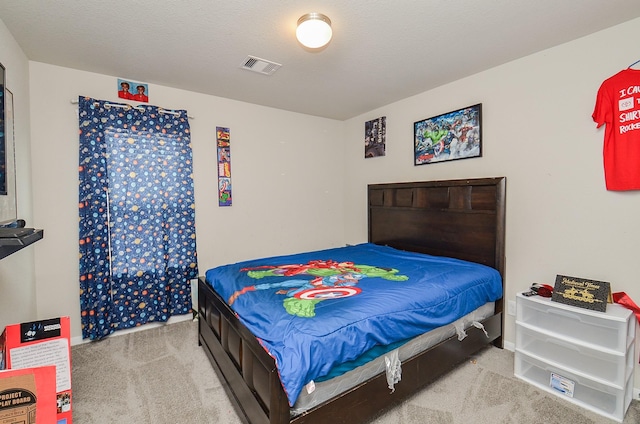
162 376
155 376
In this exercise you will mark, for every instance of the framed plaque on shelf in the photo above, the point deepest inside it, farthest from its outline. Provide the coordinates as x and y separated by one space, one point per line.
588 294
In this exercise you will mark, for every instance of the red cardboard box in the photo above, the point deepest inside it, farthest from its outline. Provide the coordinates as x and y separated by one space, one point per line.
38 344
28 396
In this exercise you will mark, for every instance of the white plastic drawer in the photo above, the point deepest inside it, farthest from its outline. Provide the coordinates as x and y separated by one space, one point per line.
599 398
611 368
610 330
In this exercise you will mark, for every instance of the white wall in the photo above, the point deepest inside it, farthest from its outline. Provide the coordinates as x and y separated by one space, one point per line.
538 132
287 174
17 277
300 182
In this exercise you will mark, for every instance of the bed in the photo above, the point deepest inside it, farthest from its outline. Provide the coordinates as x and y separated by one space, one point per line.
461 219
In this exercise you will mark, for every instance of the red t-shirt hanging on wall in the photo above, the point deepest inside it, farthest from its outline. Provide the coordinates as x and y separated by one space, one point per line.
618 106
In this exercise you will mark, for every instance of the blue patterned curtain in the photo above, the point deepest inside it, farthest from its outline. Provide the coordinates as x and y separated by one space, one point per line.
137 216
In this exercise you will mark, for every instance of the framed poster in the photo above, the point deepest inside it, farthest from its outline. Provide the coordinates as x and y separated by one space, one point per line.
131 90
450 136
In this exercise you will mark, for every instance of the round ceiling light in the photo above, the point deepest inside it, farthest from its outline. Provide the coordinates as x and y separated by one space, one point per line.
314 30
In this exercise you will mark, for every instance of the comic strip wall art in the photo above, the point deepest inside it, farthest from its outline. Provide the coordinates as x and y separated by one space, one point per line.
450 136
223 143
375 133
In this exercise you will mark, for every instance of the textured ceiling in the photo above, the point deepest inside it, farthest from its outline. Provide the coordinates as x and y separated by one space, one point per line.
382 51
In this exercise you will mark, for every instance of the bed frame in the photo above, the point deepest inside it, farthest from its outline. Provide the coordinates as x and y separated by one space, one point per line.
464 219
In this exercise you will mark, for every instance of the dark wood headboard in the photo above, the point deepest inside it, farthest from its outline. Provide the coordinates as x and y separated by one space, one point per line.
463 219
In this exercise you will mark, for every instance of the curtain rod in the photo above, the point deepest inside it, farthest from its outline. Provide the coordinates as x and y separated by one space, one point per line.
127 106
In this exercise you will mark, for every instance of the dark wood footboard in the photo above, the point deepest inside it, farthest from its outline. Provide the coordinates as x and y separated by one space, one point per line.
249 371
254 383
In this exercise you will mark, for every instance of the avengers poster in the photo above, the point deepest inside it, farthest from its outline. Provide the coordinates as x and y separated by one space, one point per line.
450 136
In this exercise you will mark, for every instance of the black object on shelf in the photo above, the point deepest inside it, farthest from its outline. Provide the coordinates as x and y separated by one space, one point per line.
14 239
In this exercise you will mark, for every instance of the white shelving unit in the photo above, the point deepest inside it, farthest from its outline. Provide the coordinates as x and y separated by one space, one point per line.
583 356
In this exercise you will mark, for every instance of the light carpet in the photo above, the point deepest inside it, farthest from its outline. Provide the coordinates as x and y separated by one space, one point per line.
162 376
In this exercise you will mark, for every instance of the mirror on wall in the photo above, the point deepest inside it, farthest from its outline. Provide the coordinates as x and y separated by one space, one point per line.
8 213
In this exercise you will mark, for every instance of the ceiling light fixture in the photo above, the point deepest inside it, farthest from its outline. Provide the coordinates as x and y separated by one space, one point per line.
314 30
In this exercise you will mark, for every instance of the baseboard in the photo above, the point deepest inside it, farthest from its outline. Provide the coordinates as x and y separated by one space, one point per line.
510 346
174 319
636 393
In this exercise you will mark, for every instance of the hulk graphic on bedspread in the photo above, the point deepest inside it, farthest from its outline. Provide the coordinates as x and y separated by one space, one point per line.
332 280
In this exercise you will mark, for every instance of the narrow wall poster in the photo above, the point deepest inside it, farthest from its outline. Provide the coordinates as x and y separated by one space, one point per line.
375 133
223 143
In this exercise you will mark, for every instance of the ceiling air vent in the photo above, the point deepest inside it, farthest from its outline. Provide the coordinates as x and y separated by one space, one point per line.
262 66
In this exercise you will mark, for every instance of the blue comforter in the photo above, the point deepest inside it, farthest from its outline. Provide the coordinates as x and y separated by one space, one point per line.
314 310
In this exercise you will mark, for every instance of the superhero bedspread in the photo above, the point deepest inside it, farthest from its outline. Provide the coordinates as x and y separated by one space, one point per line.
314 310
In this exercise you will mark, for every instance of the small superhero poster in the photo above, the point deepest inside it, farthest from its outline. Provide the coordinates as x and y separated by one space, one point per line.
223 144
375 133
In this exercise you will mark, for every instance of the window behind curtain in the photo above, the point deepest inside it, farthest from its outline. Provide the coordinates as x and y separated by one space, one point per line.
137 216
